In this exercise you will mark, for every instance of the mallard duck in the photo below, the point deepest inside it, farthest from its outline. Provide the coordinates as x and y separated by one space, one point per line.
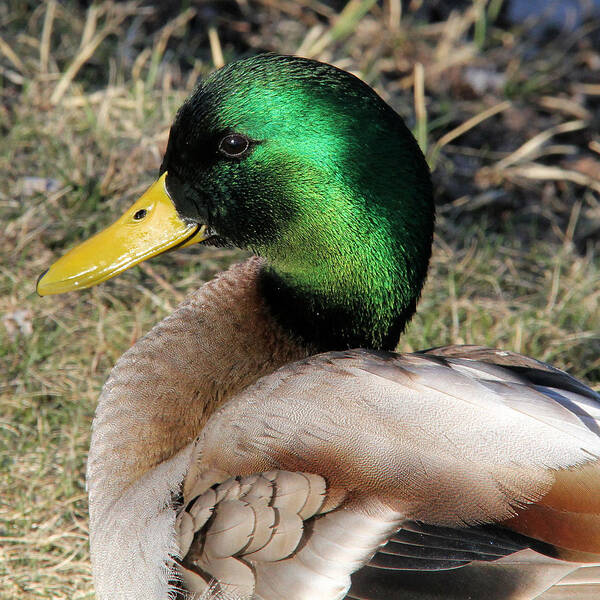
264 440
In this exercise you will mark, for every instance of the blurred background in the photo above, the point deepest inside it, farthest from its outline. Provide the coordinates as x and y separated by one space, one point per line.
503 97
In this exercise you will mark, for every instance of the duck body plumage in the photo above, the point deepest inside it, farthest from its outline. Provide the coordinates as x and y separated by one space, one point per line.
264 440
460 472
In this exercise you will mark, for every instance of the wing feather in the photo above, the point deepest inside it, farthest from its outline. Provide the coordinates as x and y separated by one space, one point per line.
441 474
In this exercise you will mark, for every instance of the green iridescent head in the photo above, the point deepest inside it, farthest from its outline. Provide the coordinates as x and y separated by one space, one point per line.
304 164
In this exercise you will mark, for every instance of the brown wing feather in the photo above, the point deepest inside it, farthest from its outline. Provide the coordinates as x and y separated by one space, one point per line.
576 490
575 532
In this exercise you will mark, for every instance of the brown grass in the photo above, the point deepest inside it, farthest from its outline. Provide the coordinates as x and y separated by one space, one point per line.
508 121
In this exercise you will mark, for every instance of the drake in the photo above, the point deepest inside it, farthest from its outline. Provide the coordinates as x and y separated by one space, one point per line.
264 440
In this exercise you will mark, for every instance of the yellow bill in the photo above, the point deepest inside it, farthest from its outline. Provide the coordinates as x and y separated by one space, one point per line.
151 226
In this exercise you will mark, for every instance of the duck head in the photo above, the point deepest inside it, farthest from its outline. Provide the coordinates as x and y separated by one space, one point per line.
305 165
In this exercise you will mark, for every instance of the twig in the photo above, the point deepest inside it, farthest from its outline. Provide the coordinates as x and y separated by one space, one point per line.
215 47
590 89
344 25
565 105
420 109
46 35
90 43
549 173
466 126
14 59
394 14
573 218
311 37
530 146
161 45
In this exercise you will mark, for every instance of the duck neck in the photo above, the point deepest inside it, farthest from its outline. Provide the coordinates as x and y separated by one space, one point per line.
163 390
352 293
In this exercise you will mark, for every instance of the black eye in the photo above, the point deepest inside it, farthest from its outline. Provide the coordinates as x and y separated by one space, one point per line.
140 214
234 145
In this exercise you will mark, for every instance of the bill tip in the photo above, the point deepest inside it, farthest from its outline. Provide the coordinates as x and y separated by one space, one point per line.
37 285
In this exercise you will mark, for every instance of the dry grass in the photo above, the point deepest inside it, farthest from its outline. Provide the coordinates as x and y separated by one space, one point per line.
508 120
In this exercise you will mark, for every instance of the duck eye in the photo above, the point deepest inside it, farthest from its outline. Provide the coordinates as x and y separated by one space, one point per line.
234 145
140 214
